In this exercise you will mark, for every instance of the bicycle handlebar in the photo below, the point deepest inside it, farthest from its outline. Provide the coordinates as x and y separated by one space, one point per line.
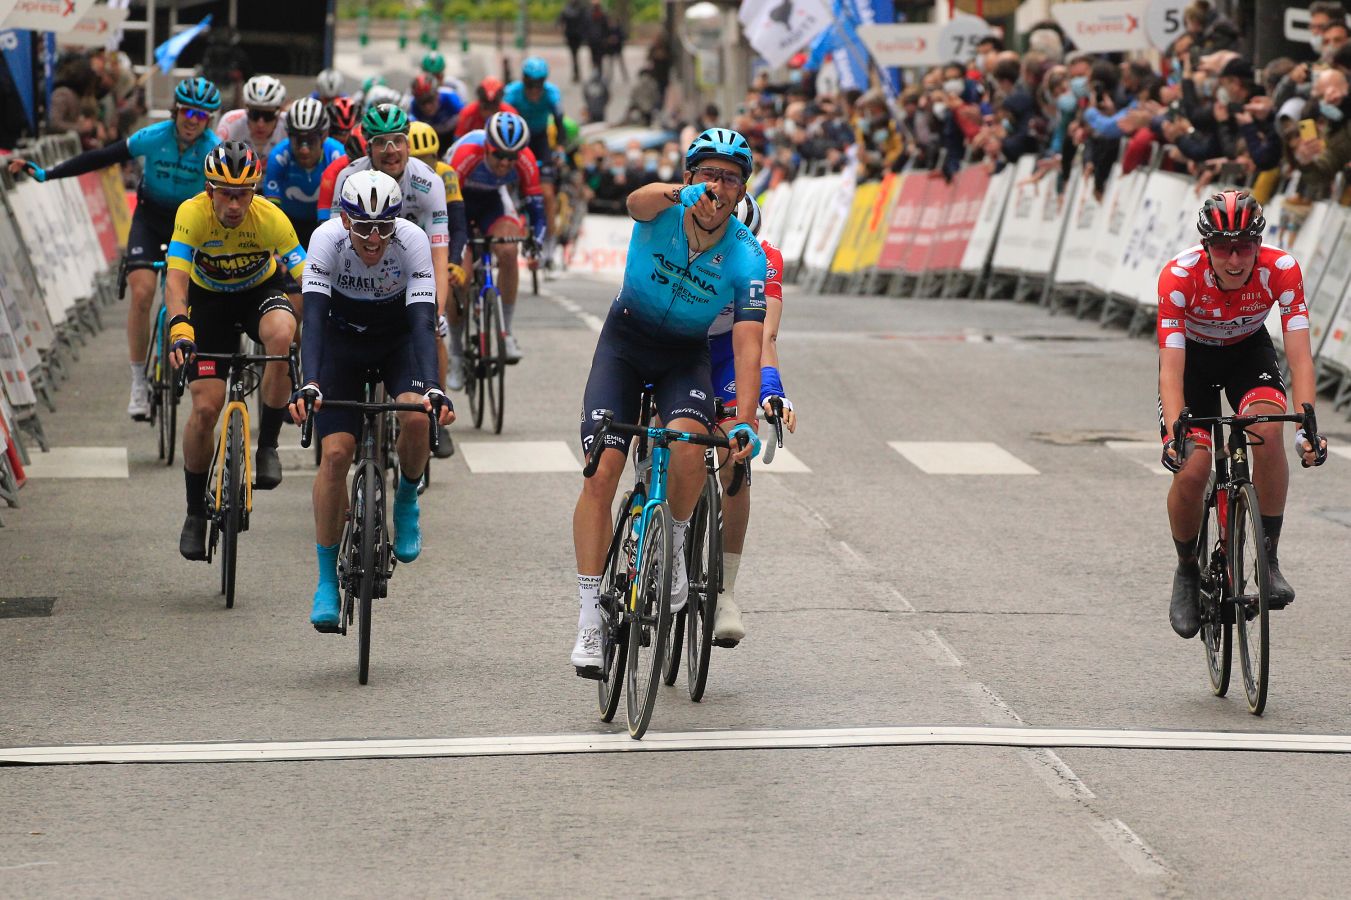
776 419
433 437
608 424
1306 419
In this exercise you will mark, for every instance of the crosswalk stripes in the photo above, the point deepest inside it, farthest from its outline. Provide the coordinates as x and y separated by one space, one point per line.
1146 453
494 457
961 458
78 462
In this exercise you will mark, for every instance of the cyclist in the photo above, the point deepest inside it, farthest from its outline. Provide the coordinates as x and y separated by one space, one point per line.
489 103
370 302
686 262
224 279
342 118
487 161
295 168
423 197
362 98
434 64
328 86
354 148
423 145
173 153
728 629
438 106
1214 300
539 102
261 123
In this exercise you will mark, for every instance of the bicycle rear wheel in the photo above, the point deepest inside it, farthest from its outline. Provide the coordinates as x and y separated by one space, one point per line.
614 591
1217 634
168 413
649 619
368 514
497 365
475 358
1252 593
233 498
705 574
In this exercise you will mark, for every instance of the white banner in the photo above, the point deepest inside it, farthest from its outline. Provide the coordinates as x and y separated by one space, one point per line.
1163 22
1075 265
1164 225
829 222
99 26
779 28
959 37
904 45
59 16
1015 231
985 233
1104 26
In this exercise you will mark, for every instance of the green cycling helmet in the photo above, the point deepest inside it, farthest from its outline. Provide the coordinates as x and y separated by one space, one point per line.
384 118
434 63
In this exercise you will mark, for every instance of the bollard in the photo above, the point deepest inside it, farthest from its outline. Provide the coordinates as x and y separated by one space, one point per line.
462 26
403 29
364 25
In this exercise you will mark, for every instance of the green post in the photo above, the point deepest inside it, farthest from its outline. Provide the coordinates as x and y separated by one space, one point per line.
462 26
434 36
364 25
403 29
425 28
521 27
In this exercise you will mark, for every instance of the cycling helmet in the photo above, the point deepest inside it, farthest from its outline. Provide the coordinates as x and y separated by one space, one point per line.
264 92
306 115
384 118
720 143
342 114
748 211
422 140
373 81
382 93
534 69
433 63
371 195
507 131
197 92
490 90
233 164
329 83
355 145
1230 214
424 86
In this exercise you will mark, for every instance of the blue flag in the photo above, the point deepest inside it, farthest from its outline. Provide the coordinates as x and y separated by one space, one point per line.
18 49
166 54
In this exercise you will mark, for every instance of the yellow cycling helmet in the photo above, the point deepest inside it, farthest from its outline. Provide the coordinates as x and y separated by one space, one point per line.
422 140
233 164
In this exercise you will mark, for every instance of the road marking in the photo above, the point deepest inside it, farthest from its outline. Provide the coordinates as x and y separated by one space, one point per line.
961 458
1146 453
490 457
769 739
943 654
30 865
590 321
784 463
1344 452
1132 850
79 462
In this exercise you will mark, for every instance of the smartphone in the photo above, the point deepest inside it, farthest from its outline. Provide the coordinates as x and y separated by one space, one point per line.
1308 130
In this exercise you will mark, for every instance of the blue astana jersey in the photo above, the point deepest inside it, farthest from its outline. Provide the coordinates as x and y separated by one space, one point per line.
170 177
536 114
667 294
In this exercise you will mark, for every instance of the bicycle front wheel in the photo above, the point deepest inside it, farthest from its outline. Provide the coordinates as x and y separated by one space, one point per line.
476 358
497 365
368 514
1217 627
705 573
1252 594
233 497
649 619
168 413
614 592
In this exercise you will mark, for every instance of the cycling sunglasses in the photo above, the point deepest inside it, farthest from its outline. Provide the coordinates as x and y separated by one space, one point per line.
505 154
364 228
1242 246
387 141
307 138
194 115
232 193
262 115
713 173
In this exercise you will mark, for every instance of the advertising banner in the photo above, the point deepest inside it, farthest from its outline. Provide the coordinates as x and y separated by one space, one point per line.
57 16
904 221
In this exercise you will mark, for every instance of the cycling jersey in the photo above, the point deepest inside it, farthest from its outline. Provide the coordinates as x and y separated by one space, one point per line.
536 113
669 292
170 175
234 126
442 119
294 189
473 118
722 325
424 198
359 295
452 182
1193 308
722 359
468 156
229 260
326 184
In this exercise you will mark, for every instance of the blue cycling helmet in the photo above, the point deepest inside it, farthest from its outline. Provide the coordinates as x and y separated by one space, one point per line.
720 143
197 92
507 132
534 69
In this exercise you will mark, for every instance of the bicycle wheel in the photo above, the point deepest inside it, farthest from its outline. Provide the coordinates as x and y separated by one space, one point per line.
705 574
475 353
233 497
1217 634
649 619
169 418
497 366
614 592
1252 593
371 534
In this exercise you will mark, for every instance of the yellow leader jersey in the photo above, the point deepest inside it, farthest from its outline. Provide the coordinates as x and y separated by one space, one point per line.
228 260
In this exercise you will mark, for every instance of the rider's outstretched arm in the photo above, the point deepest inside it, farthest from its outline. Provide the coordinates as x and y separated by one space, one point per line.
651 200
92 161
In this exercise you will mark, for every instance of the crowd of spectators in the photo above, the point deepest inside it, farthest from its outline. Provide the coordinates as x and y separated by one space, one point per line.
94 95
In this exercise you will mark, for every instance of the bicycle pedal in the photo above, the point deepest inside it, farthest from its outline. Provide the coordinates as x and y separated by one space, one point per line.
592 672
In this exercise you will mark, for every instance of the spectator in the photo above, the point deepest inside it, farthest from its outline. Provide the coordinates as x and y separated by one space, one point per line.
660 61
644 99
1322 14
73 88
596 94
616 35
573 21
597 32
1320 159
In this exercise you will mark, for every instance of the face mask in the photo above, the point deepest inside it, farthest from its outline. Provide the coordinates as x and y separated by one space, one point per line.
940 111
1316 41
616 171
954 85
665 172
1067 103
1079 86
880 136
1222 95
634 156
1330 112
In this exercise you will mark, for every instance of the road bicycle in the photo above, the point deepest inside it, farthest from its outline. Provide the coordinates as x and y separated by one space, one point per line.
635 599
159 372
1232 552
485 334
229 492
366 558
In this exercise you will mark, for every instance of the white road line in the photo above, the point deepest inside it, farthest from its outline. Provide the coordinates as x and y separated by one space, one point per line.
488 457
1057 774
961 458
785 463
901 602
590 321
1339 451
944 655
79 462
30 865
769 739
1146 453
1132 850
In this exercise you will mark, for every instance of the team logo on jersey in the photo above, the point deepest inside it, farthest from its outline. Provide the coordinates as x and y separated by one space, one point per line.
421 185
717 259
698 395
209 244
1265 376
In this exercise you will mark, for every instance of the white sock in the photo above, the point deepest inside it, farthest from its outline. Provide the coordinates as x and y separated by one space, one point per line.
508 313
731 562
678 535
588 590
456 343
137 373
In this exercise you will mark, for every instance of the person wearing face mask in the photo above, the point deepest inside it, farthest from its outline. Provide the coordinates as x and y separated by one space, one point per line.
1320 159
1245 123
1321 15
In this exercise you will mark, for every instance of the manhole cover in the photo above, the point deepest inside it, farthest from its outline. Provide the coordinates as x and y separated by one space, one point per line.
25 607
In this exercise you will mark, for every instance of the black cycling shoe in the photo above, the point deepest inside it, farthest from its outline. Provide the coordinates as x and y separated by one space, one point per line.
1282 594
192 540
1184 611
266 469
445 447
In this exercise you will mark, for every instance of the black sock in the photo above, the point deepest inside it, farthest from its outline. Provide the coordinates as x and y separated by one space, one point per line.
270 427
1271 527
196 485
1186 550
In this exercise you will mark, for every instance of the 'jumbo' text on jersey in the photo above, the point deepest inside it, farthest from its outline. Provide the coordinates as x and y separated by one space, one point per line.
360 295
537 113
773 289
226 260
424 197
1193 308
294 188
234 126
169 176
667 293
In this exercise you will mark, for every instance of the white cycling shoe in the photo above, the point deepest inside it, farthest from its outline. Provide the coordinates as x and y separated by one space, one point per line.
586 651
455 374
511 350
680 584
138 406
727 628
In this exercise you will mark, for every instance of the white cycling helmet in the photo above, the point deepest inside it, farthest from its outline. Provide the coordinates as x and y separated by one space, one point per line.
748 211
264 92
329 83
306 115
371 195
382 93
